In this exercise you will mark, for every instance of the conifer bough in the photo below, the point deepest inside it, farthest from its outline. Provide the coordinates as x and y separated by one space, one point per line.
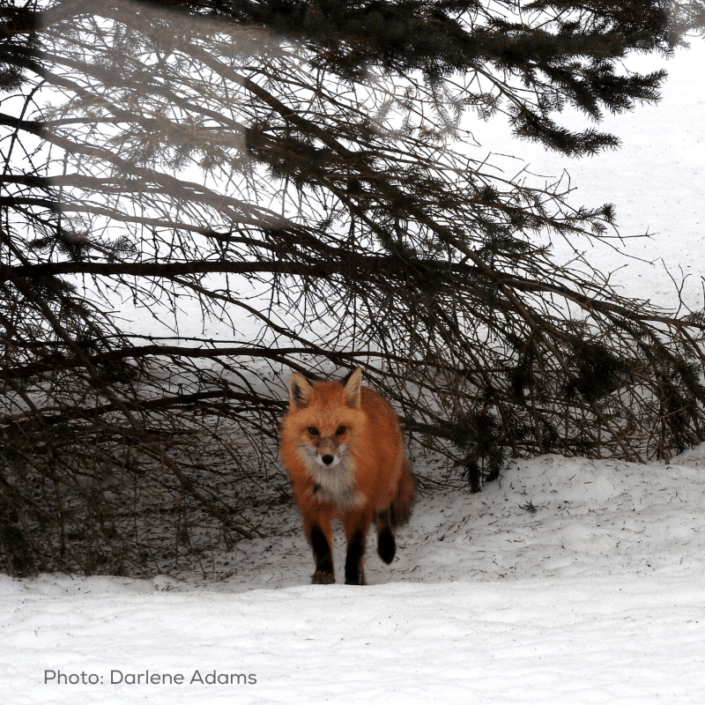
310 166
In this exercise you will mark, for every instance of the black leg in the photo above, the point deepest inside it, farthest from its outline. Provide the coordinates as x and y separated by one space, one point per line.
386 545
354 574
324 574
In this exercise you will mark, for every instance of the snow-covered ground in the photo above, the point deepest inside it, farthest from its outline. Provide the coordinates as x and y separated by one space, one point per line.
568 581
655 180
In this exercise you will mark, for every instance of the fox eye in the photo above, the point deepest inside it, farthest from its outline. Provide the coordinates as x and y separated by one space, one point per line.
313 430
340 431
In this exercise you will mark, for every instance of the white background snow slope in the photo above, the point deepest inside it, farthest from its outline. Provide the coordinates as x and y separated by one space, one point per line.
569 581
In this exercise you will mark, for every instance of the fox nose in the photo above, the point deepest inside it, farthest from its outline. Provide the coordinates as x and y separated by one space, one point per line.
327 459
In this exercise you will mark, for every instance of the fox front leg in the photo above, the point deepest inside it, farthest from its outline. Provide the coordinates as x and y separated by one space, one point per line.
354 561
323 556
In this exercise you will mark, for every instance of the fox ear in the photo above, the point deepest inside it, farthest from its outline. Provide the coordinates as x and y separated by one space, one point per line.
351 391
299 391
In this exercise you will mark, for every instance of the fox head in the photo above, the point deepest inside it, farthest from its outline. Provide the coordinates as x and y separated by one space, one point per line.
326 416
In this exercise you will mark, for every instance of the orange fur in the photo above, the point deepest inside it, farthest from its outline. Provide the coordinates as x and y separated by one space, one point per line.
344 451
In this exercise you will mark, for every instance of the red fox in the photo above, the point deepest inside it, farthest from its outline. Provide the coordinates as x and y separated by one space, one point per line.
343 448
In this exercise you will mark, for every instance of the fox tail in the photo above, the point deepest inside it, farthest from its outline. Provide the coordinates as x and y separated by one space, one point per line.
400 510
397 514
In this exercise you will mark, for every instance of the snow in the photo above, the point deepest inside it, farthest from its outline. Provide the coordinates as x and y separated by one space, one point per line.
655 180
568 580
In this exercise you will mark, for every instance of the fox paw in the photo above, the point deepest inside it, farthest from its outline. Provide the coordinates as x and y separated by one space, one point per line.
321 577
358 579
